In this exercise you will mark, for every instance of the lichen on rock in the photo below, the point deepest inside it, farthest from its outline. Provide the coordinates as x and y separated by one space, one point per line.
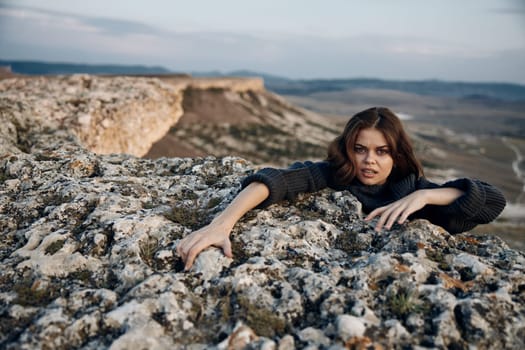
88 260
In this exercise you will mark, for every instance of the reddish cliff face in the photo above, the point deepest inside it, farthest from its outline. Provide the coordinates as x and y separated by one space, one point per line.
254 124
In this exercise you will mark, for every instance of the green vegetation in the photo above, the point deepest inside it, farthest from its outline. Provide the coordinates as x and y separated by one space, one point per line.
29 293
324 127
264 322
233 306
148 205
213 202
54 247
403 303
254 130
439 257
188 194
3 177
189 217
82 275
240 254
147 250
41 157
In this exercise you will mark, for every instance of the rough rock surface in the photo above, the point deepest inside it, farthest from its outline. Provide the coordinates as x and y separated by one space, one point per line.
106 114
88 261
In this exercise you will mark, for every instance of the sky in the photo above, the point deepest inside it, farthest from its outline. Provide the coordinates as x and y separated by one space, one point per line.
467 40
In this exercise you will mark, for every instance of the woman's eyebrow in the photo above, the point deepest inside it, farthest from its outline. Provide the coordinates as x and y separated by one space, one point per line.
378 147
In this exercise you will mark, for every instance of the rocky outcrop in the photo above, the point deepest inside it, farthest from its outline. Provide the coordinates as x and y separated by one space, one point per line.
106 114
88 261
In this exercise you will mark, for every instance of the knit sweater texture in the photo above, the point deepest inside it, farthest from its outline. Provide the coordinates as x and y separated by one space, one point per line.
480 204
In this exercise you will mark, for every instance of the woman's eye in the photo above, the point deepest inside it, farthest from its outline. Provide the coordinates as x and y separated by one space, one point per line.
382 152
359 150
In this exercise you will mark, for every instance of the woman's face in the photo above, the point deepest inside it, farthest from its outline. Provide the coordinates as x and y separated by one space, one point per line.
373 157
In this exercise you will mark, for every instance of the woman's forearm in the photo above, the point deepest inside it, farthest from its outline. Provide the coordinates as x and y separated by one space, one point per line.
251 196
442 196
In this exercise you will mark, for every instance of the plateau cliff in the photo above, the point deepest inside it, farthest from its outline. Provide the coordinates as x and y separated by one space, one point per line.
88 245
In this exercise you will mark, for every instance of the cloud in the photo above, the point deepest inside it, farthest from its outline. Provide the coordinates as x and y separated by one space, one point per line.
77 23
53 36
44 19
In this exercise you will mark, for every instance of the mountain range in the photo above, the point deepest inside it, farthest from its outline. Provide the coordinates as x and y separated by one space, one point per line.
508 92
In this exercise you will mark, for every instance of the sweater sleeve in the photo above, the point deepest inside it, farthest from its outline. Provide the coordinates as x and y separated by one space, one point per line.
288 183
480 204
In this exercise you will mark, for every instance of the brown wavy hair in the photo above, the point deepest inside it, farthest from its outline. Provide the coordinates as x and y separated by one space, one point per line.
341 149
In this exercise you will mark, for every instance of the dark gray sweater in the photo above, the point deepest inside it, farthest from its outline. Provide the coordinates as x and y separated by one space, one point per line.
480 204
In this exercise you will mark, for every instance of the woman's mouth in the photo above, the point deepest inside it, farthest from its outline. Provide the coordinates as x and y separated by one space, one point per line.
368 172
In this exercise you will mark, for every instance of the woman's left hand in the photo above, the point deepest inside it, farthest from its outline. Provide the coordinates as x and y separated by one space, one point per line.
399 210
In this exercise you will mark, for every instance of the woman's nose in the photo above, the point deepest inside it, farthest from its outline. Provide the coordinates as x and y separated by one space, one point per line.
369 158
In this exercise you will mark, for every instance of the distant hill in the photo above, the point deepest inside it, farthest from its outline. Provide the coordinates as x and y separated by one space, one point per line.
45 68
437 88
303 87
499 91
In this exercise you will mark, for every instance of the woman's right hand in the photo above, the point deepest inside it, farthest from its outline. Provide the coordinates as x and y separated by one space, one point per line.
214 234
217 233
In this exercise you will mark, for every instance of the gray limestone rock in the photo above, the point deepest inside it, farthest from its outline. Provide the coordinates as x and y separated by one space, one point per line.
88 260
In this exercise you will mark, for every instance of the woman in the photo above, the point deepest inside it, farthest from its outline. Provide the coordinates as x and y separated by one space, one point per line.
373 159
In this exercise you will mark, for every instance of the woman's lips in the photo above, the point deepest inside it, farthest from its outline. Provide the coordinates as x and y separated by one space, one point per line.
368 173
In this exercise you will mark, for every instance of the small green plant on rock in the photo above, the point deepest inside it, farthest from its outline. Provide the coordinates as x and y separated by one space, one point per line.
403 303
147 250
438 257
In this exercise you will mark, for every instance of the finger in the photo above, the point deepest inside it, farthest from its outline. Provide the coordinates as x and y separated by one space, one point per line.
186 244
374 213
195 250
180 250
385 217
227 248
403 217
190 240
381 222
190 257
392 218
411 210
398 211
